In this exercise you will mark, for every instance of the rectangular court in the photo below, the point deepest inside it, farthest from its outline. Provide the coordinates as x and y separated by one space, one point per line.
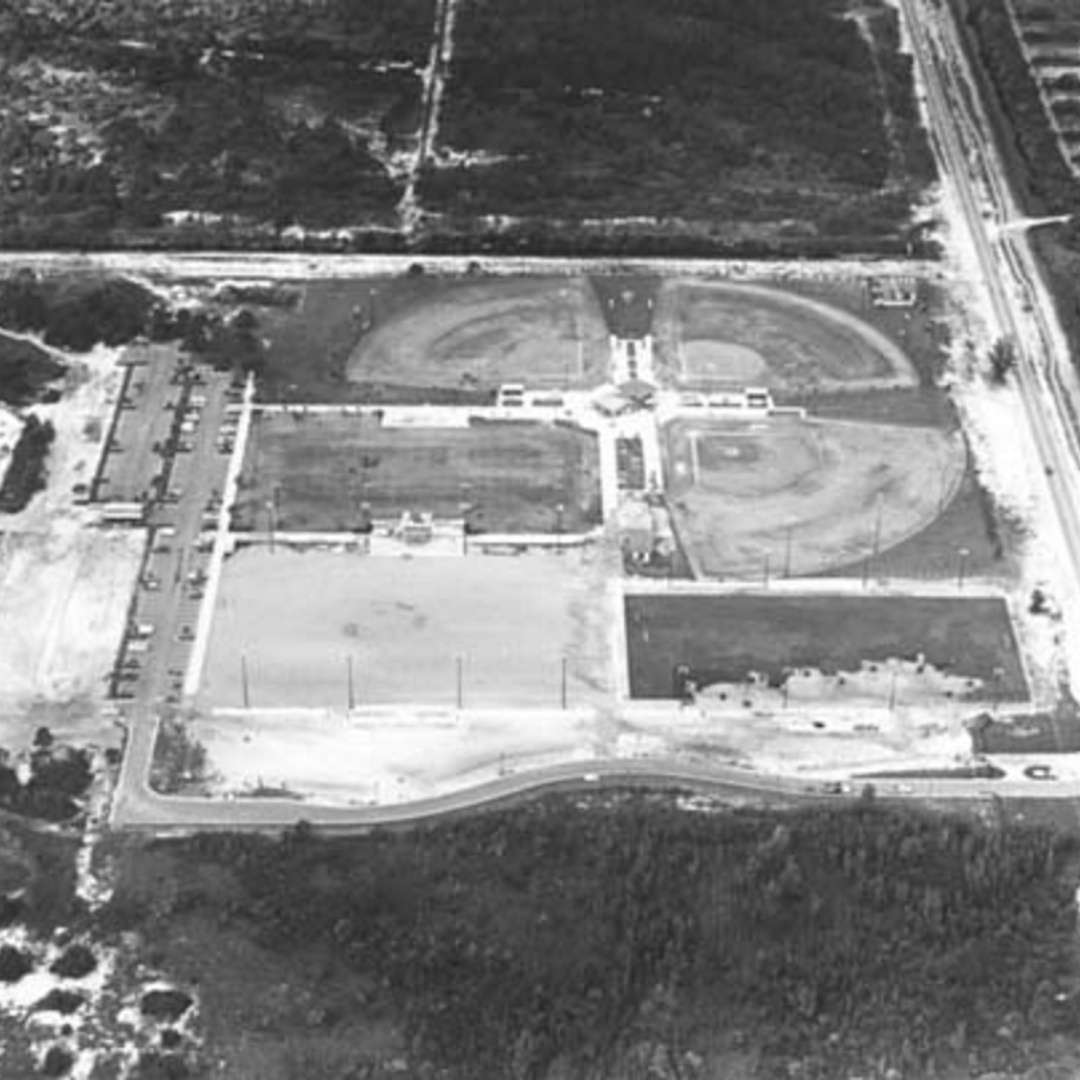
320 471
726 638
479 631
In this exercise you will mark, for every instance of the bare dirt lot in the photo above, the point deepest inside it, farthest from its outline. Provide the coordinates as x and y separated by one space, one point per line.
299 617
63 606
716 335
513 475
802 495
725 638
478 334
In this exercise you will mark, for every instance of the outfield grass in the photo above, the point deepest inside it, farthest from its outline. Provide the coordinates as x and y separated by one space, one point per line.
725 638
514 476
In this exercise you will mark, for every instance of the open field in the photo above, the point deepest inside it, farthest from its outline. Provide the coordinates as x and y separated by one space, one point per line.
804 495
476 335
298 617
725 638
717 335
63 606
514 475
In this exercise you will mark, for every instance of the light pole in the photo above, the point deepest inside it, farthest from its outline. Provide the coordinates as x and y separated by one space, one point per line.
787 552
563 683
765 572
877 528
559 510
460 688
961 564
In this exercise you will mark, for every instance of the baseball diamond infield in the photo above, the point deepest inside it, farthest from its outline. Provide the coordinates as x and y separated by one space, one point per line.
717 335
784 495
478 334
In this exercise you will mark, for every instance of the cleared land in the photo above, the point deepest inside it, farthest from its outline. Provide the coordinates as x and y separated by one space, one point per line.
802 495
723 336
513 475
63 606
725 638
298 617
544 332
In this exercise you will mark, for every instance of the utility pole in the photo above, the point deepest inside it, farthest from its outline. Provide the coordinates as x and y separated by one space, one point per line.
563 686
787 552
352 695
961 566
460 687
244 680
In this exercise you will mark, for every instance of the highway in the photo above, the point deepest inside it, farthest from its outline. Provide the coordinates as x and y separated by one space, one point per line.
1018 298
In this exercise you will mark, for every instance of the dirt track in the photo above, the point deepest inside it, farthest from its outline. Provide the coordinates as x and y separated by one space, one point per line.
840 490
476 335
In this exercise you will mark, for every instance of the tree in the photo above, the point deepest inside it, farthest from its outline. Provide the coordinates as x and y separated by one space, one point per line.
1002 360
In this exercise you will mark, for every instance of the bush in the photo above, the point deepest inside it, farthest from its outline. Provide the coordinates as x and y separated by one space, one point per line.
14 964
58 1061
26 473
76 962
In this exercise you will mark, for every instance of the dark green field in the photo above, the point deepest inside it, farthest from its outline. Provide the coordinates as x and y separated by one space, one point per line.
514 476
725 638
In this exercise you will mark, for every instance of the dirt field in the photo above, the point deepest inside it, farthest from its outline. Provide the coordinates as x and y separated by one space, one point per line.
478 334
298 617
63 605
803 495
717 335
724 638
324 467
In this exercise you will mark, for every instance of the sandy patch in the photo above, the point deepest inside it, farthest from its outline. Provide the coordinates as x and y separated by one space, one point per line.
295 620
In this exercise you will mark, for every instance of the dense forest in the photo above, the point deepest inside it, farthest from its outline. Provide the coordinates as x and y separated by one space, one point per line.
753 113
559 939
111 120
76 311
26 370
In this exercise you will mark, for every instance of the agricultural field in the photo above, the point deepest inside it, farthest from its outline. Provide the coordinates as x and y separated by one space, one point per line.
724 639
321 470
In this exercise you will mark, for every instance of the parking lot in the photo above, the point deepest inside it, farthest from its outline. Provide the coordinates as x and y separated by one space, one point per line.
181 520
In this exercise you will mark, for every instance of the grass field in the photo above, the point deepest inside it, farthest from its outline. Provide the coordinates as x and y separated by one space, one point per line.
298 617
804 495
513 475
725 638
475 334
718 335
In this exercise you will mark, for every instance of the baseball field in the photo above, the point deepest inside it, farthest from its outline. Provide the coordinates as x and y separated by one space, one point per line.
478 334
718 335
791 497
321 469
411 629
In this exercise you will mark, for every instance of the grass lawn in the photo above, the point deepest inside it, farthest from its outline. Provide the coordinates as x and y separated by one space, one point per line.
513 475
725 638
